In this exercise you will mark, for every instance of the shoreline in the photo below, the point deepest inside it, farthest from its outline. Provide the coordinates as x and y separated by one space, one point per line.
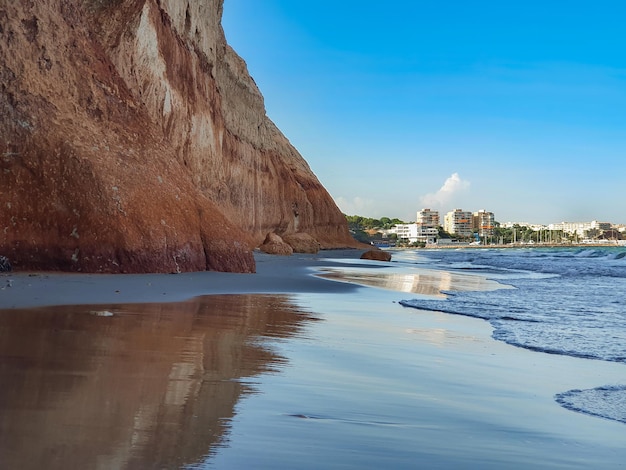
516 245
275 275
323 272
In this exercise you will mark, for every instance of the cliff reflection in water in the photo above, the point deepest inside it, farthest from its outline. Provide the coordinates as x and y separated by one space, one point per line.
131 386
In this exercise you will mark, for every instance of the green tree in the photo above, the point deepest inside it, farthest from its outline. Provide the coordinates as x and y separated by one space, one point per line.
442 233
359 226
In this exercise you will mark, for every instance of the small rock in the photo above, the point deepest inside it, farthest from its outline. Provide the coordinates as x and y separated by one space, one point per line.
377 255
274 245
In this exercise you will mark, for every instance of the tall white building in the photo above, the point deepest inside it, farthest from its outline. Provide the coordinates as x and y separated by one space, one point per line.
427 225
458 222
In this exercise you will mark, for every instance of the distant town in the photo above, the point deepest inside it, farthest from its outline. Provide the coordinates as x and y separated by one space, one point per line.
480 228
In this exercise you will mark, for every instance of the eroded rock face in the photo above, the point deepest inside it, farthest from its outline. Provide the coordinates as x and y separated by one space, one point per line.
133 139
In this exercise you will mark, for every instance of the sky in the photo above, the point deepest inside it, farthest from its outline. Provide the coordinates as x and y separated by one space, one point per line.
518 108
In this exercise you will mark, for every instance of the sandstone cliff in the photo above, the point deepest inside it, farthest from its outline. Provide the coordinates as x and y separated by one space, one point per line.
132 138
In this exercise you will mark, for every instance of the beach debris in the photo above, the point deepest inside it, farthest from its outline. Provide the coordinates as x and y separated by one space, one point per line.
5 265
377 255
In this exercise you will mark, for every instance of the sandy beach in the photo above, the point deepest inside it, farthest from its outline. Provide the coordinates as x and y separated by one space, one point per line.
275 274
280 369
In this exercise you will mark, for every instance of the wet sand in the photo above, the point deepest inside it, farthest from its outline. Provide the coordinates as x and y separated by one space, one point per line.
275 274
131 385
432 283
292 371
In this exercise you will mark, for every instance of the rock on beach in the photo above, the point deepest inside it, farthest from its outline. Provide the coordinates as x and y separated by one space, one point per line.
377 255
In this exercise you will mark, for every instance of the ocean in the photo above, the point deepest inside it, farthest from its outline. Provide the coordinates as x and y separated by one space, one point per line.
446 359
566 301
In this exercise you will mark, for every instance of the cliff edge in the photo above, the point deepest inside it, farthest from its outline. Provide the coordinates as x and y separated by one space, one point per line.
133 139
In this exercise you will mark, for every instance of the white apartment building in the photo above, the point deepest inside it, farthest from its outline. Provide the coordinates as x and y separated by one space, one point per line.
427 218
406 232
580 228
427 225
413 233
458 222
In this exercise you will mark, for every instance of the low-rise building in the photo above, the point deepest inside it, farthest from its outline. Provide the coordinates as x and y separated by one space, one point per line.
406 232
416 233
580 228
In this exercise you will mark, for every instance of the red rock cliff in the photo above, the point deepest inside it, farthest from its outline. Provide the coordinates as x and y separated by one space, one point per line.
132 139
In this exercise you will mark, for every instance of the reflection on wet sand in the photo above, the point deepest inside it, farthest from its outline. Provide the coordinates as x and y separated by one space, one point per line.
131 386
425 282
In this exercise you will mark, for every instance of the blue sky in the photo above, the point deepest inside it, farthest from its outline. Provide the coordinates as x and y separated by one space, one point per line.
514 107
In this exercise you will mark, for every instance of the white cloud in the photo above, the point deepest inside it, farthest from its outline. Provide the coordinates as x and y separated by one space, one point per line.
394 203
447 195
355 206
